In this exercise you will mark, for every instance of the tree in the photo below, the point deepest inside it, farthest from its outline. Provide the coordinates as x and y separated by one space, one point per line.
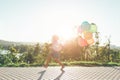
29 58
2 59
97 43
12 54
36 49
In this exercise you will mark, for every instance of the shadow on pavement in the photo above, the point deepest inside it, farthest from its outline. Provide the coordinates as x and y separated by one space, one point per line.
116 68
42 73
59 76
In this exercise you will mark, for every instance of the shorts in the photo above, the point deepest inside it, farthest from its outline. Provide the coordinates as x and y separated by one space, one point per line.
55 55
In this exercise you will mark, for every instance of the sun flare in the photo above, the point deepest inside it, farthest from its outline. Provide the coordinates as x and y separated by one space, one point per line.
64 33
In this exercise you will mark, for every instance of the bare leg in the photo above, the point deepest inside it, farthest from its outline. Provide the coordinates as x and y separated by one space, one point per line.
58 61
47 61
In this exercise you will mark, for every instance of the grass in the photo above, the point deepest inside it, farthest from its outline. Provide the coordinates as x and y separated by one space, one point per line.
70 63
87 63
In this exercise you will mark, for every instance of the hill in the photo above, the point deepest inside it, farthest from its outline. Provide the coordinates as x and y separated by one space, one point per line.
7 43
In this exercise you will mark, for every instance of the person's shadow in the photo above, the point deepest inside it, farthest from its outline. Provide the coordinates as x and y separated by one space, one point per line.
116 68
42 73
59 76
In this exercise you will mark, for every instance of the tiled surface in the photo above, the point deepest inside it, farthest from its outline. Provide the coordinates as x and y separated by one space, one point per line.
54 73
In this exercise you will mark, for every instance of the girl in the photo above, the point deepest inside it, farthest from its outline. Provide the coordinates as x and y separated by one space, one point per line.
55 48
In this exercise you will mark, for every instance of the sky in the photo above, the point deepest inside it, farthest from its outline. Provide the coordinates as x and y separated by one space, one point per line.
38 20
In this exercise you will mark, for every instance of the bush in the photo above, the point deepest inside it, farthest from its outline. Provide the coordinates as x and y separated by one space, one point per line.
12 65
23 65
35 65
1 65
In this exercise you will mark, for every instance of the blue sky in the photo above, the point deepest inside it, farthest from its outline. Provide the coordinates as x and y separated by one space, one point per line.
37 20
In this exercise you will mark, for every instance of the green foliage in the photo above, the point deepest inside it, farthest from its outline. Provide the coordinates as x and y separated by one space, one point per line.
71 54
12 65
12 49
29 58
2 59
37 49
23 65
36 64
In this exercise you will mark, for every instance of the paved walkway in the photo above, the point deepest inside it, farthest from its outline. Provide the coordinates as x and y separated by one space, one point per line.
54 73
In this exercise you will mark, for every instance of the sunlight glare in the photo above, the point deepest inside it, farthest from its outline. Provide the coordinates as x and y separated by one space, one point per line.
64 33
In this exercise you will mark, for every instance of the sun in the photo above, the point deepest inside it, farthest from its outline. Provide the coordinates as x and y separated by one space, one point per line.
65 33
54 24
45 34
